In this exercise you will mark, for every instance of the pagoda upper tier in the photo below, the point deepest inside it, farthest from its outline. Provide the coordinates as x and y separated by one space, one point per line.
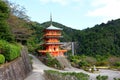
52 31
52 34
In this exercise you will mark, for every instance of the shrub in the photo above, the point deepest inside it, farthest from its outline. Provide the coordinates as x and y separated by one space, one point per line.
91 60
100 58
117 64
116 78
2 59
10 51
113 59
99 77
83 63
73 58
52 62
56 75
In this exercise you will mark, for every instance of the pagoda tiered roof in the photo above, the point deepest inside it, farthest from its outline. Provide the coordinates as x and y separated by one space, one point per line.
51 27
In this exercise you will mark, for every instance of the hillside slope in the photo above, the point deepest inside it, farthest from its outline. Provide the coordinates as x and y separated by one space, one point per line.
103 39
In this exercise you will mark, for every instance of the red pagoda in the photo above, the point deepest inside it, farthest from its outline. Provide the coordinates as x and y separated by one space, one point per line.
52 42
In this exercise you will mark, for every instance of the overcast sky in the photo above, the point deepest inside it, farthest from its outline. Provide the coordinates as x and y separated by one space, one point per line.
77 14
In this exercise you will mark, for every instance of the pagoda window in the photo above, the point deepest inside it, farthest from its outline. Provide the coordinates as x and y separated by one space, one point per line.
54 48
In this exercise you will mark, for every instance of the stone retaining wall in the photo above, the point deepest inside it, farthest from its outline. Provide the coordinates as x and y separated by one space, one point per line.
17 69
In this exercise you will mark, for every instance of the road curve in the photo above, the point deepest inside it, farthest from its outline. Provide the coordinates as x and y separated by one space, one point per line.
39 67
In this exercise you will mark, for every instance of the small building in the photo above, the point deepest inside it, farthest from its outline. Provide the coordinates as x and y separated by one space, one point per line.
52 43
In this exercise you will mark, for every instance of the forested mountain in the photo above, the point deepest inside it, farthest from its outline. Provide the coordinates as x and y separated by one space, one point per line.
103 39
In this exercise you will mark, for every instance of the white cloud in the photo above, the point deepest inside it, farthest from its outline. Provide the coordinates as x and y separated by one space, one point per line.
61 2
105 8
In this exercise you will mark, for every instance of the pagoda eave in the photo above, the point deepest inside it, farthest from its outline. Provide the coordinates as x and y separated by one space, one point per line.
47 51
53 37
54 43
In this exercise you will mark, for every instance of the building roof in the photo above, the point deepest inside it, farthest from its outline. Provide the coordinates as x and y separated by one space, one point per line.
51 27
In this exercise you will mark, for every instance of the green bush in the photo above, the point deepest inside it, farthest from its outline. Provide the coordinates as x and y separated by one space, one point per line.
99 77
116 78
13 51
10 51
117 64
2 59
83 63
52 62
56 75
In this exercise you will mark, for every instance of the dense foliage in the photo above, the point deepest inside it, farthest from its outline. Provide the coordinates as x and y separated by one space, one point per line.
5 32
55 75
116 78
9 50
52 62
2 59
102 39
86 62
99 77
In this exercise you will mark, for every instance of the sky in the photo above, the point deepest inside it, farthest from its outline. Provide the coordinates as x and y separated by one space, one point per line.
77 14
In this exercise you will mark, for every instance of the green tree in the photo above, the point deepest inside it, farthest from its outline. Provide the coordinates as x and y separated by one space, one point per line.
4 10
5 32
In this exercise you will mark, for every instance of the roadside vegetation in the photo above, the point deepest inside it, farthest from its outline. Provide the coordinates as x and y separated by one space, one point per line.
103 77
99 77
87 62
55 75
51 61
116 78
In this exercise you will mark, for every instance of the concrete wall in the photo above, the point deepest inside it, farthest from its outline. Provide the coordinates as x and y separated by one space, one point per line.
17 69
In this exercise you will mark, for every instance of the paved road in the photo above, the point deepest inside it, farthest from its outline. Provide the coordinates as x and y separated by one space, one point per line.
38 70
39 67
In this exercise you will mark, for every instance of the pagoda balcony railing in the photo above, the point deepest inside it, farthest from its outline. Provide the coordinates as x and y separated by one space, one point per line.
52 41
52 51
52 34
59 43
